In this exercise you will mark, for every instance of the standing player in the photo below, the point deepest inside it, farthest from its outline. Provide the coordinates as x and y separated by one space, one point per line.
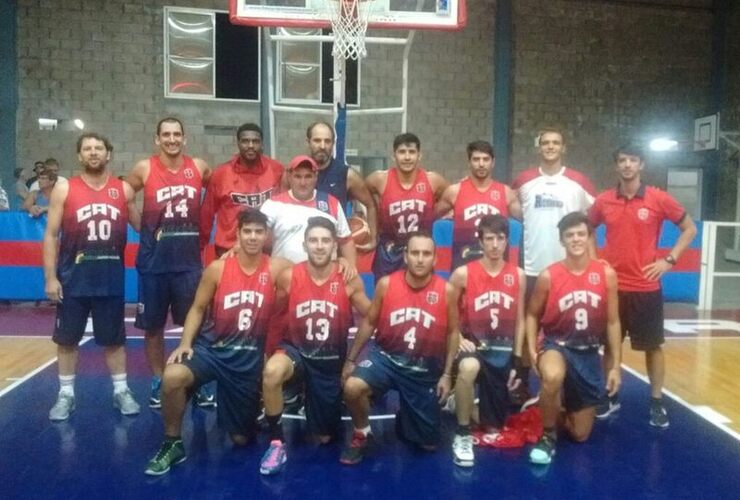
405 194
168 261
85 273
492 324
246 181
313 351
575 304
337 178
238 294
633 214
416 342
472 198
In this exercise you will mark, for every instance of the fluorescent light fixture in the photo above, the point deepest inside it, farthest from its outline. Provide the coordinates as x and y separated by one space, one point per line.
48 123
79 123
663 144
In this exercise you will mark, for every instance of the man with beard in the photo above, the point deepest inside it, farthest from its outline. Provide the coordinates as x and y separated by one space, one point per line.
245 181
313 351
168 261
472 198
85 272
237 294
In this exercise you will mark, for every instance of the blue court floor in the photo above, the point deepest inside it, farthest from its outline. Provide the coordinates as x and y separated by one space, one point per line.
100 454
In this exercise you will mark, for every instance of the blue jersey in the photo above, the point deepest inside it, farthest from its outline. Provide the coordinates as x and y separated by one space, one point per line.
333 180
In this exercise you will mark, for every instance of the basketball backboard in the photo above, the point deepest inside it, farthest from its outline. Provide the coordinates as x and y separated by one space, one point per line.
706 130
384 14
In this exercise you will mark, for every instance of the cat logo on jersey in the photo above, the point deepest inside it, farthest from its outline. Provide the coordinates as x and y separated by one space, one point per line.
334 288
643 214
594 278
509 279
188 173
421 188
263 279
432 297
495 195
113 193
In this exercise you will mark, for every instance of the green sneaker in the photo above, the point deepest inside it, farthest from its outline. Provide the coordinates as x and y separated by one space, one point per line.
169 454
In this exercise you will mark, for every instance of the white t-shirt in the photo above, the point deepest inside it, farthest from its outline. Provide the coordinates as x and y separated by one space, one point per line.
35 185
288 219
545 199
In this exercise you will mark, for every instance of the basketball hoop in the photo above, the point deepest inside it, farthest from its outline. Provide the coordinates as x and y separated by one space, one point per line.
349 24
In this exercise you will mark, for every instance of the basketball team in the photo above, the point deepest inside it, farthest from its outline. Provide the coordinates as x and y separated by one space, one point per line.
270 317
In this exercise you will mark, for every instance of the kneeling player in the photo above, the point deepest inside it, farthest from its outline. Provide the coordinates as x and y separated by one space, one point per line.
492 323
575 304
417 339
230 348
314 348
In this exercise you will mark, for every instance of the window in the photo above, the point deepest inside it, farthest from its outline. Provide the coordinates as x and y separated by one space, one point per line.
207 57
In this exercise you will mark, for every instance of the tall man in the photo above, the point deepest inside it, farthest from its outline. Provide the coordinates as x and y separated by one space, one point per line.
417 338
405 194
85 273
245 181
472 198
633 214
575 303
238 292
492 324
314 348
168 261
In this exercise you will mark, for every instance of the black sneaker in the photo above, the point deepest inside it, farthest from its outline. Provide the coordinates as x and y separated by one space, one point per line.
543 451
355 452
659 416
204 398
607 407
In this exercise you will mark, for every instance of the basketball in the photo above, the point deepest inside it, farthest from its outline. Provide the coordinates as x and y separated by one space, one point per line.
360 231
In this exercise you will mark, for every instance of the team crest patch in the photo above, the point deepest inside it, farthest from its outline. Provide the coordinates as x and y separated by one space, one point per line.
188 173
643 214
432 297
509 279
334 287
421 188
594 278
495 195
113 193
264 278
323 206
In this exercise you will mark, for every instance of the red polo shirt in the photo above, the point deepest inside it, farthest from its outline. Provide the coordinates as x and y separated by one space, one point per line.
632 231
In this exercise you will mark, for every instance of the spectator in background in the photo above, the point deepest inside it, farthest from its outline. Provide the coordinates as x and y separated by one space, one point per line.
4 204
37 202
21 188
37 167
50 165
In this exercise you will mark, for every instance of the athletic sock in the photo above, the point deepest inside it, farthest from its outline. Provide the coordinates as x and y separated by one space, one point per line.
119 382
274 427
67 385
171 439
551 433
463 430
656 402
365 430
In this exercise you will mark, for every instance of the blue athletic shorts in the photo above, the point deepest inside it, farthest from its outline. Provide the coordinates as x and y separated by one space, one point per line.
158 293
584 384
107 317
388 259
323 390
238 394
493 394
418 420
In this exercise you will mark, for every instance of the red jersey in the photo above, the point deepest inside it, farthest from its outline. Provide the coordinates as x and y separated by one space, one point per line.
320 315
470 205
93 240
236 326
412 330
402 210
169 238
576 309
232 188
632 230
488 309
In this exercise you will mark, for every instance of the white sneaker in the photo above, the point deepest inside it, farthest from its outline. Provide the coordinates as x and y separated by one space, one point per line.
462 451
62 408
125 402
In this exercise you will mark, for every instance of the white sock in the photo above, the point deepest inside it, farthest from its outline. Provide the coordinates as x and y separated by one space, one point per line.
119 383
67 385
365 430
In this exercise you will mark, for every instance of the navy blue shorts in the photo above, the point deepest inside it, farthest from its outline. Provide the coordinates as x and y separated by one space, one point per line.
641 317
158 293
493 393
323 389
418 420
238 395
388 259
107 317
584 384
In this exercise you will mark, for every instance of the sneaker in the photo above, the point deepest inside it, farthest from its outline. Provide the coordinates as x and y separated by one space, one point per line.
204 398
607 407
155 398
659 416
450 404
530 402
542 452
64 405
125 402
462 451
169 454
274 458
355 452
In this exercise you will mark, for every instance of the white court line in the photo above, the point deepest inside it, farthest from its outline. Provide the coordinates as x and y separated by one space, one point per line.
698 410
292 416
29 375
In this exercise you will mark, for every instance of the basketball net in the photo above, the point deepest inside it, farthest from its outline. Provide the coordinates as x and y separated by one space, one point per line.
349 24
